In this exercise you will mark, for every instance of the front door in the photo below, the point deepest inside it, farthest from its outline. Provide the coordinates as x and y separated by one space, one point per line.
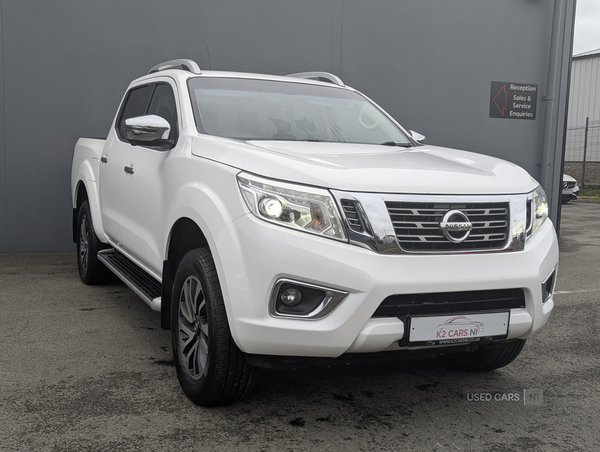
112 164
144 186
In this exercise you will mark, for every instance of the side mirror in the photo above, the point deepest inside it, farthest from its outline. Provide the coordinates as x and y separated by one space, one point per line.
146 129
417 137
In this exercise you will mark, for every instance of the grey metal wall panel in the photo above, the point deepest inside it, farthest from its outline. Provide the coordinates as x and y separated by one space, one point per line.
278 37
2 147
431 63
66 64
37 137
556 104
585 90
584 102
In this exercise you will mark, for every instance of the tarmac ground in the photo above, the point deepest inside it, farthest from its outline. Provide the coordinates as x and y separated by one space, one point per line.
88 368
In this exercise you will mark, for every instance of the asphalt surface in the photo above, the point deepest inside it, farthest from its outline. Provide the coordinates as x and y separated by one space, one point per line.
88 368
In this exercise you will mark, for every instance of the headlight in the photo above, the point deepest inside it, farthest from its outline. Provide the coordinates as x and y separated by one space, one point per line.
307 209
539 208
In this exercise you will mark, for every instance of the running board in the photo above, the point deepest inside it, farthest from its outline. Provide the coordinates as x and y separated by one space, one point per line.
144 285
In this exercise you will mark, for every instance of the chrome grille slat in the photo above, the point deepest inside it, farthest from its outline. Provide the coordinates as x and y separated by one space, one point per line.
441 211
416 225
432 224
352 215
442 239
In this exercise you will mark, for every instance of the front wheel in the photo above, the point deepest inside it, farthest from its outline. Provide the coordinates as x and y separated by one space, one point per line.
211 368
486 358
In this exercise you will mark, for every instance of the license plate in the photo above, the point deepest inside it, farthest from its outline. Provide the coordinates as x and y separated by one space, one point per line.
451 329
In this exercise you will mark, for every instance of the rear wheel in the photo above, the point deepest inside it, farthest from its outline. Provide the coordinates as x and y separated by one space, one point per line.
211 368
486 358
91 270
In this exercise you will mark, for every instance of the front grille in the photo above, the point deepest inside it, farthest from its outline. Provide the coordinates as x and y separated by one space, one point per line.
569 184
351 212
450 302
417 225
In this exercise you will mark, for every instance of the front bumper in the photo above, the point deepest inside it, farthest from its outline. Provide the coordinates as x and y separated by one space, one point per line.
569 194
252 255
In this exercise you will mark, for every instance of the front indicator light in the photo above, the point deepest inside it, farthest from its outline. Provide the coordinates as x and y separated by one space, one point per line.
539 209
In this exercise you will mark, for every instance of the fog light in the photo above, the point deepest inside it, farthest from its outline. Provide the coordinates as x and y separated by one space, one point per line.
301 300
291 297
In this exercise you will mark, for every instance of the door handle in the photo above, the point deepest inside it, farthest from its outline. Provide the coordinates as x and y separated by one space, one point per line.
103 159
129 169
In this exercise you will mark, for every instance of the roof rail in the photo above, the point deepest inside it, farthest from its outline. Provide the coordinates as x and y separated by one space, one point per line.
321 76
184 64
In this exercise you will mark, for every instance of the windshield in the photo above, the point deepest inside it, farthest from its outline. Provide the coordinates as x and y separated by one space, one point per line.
249 109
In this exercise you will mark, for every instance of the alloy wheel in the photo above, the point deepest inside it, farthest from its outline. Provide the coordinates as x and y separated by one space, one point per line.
193 327
84 244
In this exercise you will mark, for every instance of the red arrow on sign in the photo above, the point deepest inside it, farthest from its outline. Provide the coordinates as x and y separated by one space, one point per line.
501 101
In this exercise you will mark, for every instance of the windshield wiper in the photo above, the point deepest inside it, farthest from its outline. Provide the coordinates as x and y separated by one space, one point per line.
396 143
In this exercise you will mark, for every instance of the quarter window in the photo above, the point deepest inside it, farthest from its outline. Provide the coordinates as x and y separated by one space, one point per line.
134 105
155 99
163 105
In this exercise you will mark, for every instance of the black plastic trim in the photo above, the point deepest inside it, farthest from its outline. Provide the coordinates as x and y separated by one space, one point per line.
303 362
166 290
450 302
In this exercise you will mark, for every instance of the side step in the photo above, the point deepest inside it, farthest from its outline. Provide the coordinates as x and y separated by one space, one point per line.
144 285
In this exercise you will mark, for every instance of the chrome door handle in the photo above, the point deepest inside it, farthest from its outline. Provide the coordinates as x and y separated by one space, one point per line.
129 169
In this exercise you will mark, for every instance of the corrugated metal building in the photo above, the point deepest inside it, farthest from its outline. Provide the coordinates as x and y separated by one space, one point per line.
584 102
433 65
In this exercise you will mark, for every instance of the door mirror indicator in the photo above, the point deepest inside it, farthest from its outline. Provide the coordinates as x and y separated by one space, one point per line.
417 137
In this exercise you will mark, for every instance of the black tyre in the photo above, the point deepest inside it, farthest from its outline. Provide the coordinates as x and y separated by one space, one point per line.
91 270
486 358
211 368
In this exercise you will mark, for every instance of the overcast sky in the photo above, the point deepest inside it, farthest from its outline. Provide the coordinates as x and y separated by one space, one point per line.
587 26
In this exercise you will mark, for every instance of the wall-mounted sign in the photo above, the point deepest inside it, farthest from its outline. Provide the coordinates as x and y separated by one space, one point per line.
513 100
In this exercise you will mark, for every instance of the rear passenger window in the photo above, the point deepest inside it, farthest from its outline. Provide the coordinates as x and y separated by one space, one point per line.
134 105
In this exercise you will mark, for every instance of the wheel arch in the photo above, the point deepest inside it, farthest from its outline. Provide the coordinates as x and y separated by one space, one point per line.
79 197
185 235
84 182
197 210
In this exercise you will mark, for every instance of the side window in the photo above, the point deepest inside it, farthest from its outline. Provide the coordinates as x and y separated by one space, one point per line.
134 105
163 104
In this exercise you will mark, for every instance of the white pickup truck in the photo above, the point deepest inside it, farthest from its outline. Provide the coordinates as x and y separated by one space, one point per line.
290 221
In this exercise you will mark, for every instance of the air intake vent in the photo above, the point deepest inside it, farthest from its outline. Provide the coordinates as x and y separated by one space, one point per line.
450 302
417 226
351 212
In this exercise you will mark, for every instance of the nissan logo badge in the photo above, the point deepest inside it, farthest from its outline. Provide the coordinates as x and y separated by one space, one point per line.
456 226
